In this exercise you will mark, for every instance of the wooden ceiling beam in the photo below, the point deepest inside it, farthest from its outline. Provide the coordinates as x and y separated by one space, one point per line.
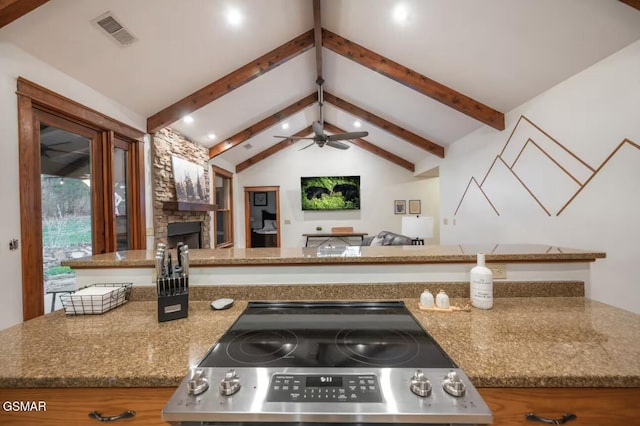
633 3
388 126
272 150
317 37
231 81
374 149
10 10
258 127
413 79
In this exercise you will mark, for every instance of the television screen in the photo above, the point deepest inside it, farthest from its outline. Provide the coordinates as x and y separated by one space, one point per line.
330 192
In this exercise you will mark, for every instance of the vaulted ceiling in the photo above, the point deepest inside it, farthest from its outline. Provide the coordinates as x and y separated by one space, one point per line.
418 74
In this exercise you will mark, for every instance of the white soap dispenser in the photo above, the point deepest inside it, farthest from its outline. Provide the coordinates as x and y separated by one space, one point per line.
481 285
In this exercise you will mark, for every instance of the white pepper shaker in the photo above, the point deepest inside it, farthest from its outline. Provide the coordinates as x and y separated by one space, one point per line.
426 299
442 300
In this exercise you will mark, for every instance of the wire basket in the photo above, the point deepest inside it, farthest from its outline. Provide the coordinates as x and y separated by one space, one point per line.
96 299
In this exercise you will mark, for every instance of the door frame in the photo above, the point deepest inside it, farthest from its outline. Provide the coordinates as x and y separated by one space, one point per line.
31 99
247 211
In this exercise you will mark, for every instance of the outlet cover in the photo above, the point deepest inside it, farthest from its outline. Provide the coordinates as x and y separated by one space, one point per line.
499 270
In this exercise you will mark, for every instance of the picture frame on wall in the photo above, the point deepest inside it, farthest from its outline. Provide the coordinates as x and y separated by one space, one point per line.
259 198
414 207
399 206
190 181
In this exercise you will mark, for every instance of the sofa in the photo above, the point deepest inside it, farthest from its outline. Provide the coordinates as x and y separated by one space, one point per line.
387 238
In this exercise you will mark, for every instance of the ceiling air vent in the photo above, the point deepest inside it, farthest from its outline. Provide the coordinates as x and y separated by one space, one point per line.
114 29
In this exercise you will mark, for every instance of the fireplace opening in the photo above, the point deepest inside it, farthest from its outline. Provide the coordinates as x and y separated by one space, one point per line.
189 233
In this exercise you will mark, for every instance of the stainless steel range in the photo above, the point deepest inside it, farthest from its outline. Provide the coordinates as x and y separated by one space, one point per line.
328 363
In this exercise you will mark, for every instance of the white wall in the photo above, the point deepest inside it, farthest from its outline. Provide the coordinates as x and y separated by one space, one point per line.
15 62
590 115
381 183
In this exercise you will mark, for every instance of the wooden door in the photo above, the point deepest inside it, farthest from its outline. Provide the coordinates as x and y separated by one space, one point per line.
262 216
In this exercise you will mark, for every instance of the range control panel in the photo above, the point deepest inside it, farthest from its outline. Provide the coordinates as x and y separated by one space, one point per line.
324 388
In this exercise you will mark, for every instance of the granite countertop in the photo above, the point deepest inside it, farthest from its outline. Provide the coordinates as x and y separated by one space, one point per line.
355 255
522 342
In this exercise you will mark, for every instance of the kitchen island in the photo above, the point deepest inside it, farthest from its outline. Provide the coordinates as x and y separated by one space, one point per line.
531 353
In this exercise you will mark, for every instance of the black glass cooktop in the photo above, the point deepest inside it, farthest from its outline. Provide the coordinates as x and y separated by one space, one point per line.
326 334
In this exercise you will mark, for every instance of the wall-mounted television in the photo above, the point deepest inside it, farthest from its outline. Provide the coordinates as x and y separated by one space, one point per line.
330 192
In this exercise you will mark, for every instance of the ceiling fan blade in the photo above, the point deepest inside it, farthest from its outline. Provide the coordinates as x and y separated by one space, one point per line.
295 137
311 144
336 144
345 136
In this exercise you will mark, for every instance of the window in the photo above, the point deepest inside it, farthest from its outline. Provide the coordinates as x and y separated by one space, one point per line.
222 222
63 141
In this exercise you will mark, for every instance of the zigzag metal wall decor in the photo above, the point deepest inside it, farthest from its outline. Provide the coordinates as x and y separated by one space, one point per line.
528 139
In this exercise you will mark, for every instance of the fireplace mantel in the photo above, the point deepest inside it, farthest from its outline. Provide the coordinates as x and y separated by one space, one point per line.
184 206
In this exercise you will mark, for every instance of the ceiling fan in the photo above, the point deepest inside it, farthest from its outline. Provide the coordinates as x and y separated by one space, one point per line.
319 137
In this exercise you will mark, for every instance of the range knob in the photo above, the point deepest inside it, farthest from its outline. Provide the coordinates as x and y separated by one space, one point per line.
420 385
453 385
230 384
197 384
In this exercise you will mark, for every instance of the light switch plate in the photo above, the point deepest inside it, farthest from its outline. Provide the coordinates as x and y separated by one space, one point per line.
499 270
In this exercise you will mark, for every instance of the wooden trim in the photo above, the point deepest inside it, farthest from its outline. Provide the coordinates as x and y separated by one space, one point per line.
272 150
10 10
220 171
108 145
386 125
138 210
87 116
374 149
261 125
51 108
413 80
231 81
247 211
626 141
473 179
524 186
30 211
262 188
317 39
633 3
227 175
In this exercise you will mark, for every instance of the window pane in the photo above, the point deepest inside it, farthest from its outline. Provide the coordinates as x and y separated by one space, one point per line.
65 179
222 227
121 200
222 192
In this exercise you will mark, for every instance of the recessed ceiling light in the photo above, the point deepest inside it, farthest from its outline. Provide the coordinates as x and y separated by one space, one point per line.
357 123
400 13
187 119
234 17
211 136
285 126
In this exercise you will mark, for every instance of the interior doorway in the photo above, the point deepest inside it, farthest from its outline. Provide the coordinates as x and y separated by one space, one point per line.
262 216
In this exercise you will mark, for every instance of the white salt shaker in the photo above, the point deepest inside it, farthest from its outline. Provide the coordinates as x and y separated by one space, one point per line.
426 299
442 300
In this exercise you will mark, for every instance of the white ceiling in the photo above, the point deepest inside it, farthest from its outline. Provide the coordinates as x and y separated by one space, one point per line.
499 52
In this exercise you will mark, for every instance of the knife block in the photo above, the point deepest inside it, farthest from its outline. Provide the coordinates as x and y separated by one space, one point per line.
173 300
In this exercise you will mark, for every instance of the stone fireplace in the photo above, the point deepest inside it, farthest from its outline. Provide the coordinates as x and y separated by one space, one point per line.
166 143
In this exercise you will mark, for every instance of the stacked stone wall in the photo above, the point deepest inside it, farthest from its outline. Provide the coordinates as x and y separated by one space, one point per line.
166 143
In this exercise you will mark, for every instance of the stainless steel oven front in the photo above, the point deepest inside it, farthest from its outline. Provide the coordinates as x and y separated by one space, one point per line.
355 363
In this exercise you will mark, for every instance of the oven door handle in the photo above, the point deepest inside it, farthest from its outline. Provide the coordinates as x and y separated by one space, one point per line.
562 420
98 416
